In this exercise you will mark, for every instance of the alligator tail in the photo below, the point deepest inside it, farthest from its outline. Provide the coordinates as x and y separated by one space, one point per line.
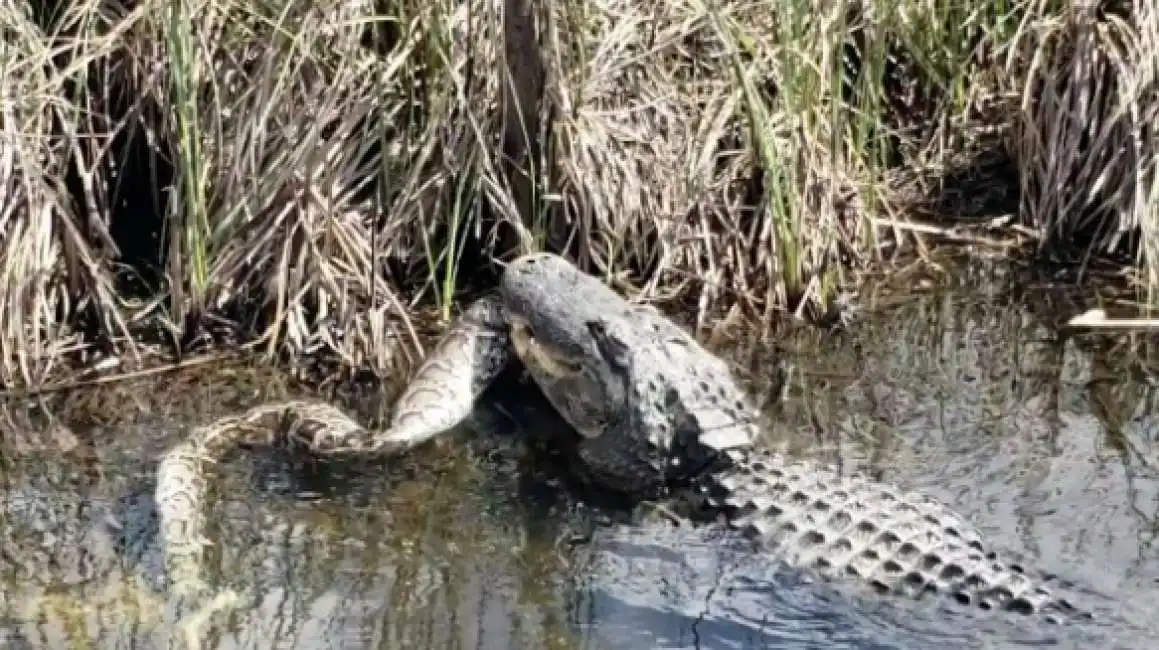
853 527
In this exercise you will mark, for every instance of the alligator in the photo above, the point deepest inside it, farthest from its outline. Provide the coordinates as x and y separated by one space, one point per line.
655 413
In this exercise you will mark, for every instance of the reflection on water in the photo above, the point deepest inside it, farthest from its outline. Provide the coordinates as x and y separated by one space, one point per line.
1049 445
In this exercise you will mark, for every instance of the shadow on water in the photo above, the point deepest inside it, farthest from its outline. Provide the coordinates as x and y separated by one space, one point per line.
1048 444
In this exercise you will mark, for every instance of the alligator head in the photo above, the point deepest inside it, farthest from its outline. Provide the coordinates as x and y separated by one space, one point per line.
646 398
556 317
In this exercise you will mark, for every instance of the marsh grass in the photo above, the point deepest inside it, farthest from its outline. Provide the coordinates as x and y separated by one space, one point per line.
312 175
1087 142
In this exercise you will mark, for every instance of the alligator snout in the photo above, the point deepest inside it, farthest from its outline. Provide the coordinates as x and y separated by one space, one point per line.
537 267
546 290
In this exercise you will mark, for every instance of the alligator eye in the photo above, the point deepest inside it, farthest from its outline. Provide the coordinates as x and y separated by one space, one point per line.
613 349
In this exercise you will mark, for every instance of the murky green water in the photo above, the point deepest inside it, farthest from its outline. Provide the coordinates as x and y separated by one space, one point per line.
961 391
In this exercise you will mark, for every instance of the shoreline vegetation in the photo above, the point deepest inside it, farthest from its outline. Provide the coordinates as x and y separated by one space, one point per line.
327 180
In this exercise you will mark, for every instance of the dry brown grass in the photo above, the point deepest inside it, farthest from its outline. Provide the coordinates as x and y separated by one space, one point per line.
54 253
319 172
1086 133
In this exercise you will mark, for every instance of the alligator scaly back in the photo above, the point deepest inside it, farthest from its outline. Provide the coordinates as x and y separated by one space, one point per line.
812 516
854 527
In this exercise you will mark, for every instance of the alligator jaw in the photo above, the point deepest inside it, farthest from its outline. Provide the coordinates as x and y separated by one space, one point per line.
571 386
528 348
550 306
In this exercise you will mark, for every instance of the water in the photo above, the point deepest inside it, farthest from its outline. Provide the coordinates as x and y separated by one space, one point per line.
963 391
